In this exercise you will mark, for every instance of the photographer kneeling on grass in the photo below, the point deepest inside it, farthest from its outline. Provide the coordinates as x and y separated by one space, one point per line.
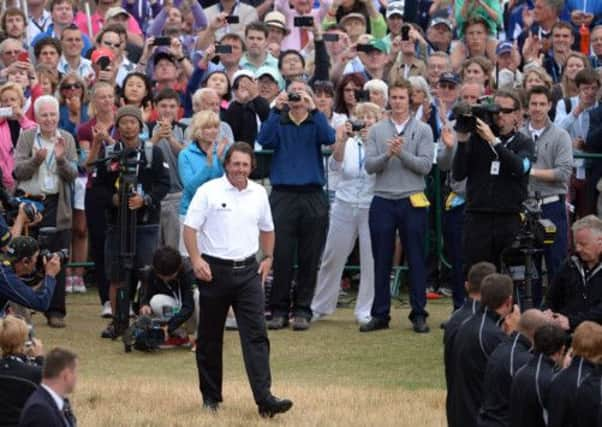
168 295
20 260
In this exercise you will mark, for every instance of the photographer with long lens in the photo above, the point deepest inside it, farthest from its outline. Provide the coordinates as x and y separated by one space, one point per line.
496 161
139 171
20 262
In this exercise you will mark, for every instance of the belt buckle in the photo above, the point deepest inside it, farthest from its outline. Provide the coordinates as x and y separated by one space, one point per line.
237 265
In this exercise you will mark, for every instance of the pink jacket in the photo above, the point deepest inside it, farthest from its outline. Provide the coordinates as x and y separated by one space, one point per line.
7 160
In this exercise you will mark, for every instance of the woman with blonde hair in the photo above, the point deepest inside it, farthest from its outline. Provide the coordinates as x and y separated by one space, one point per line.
479 69
11 125
72 96
349 217
575 62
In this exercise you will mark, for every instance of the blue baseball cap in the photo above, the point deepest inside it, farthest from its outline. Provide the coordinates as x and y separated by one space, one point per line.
503 47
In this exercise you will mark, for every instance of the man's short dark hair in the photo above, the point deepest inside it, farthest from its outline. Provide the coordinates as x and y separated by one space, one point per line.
477 273
56 361
234 36
71 27
167 93
241 147
290 52
561 25
475 20
503 93
115 27
46 41
495 290
557 5
257 26
587 76
539 90
549 339
53 3
401 84
166 261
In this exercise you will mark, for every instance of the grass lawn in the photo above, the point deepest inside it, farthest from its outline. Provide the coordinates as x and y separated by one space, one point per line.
335 375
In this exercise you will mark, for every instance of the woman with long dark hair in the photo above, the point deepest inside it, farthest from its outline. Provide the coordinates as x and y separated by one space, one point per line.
346 98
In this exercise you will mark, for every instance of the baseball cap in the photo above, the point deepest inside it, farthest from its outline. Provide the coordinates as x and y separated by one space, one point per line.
164 55
100 52
276 19
353 15
503 47
116 11
395 8
242 73
272 72
441 20
379 44
22 247
449 77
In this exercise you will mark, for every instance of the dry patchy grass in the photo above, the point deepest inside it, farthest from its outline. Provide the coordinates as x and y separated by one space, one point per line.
335 375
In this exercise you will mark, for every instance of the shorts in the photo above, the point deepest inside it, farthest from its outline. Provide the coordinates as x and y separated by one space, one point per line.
79 194
147 240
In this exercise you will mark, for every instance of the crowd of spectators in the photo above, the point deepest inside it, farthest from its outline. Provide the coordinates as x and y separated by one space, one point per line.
381 86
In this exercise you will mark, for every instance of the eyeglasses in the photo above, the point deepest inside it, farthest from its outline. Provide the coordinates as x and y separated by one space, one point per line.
11 52
109 44
71 86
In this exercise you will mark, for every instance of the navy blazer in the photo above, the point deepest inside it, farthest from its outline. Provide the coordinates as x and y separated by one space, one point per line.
41 411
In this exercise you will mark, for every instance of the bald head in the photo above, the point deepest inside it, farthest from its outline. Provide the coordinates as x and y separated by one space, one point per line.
530 321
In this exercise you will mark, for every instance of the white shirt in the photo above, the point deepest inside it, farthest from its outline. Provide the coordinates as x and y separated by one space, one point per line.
84 69
535 133
60 402
36 27
228 220
355 185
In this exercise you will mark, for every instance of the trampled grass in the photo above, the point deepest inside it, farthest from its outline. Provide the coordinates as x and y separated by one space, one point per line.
335 375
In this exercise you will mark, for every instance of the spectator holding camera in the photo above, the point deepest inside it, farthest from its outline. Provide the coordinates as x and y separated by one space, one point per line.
399 153
168 295
298 201
22 359
349 217
21 261
496 167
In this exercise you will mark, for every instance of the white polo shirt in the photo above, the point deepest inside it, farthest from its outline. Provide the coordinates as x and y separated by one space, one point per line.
228 221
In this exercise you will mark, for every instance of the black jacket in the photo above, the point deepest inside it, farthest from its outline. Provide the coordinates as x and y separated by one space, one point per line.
588 403
503 364
563 391
502 193
242 118
180 289
529 393
154 181
19 377
576 293
41 411
593 144
476 339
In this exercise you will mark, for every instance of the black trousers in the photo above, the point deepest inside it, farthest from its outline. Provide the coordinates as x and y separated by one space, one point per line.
240 288
486 235
301 224
97 227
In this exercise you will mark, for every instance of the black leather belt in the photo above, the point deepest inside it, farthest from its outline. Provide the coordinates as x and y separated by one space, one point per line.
234 264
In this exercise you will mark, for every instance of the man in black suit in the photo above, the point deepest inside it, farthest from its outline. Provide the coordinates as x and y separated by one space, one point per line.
48 406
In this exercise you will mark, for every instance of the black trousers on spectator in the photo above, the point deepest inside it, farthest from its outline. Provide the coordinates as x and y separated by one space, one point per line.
301 224
61 240
240 288
97 227
486 235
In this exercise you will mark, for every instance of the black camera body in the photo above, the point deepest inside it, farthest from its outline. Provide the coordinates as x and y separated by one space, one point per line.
357 125
466 116
294 97
11 206
46 236
536 232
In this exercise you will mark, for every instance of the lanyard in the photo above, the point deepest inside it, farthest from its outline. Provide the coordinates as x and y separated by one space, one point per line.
49 159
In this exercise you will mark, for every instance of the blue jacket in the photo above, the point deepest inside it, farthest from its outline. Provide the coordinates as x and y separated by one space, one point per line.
194 171
297 158
14 289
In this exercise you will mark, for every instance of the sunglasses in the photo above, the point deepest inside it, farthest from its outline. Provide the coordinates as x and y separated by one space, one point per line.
507 110
71 86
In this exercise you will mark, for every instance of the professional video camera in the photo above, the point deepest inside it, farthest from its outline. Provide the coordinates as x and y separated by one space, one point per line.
145 334
517 260
466 116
